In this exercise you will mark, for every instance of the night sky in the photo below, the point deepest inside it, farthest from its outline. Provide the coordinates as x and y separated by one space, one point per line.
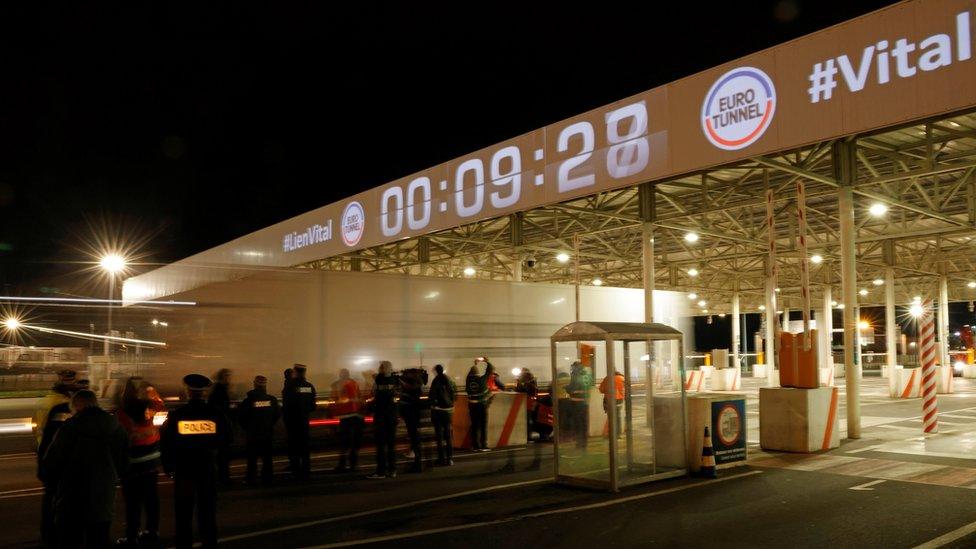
173 129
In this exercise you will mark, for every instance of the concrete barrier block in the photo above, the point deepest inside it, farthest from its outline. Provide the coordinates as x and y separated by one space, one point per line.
827 376
759 370
943 380
906 383
798 420
726 379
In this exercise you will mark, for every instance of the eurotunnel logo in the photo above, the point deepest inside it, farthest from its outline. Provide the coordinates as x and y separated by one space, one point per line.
353 223
738 108
729 425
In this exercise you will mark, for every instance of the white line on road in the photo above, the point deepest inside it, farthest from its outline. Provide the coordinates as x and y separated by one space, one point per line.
947 538
865 449
530 515
866 486
380 510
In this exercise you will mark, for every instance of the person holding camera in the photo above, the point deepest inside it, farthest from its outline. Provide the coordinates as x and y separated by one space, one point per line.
479 396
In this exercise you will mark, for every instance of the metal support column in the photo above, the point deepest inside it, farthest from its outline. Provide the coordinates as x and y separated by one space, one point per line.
844 158
891 329
771 331
735 330
944 320
825 324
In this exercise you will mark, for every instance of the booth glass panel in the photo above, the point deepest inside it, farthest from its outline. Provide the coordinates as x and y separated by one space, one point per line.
650 440
582 451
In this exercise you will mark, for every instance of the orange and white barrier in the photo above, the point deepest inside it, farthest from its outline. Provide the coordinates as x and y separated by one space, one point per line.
506 421
726 379
694 380
907 382
927 352
707 371
759 370
969 371
798 420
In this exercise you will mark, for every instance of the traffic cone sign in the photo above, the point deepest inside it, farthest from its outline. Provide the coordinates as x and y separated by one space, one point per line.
707 458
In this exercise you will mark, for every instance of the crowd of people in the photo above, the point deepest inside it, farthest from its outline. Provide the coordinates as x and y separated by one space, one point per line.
85 451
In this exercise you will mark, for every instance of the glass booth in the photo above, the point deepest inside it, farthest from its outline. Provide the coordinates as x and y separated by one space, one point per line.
618 403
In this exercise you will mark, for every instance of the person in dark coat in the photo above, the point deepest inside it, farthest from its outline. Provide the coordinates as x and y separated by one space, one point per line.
299 403
442 394
412 383
139 484
85 460
220 399
385 390
57 415
479 397
258 414
191 438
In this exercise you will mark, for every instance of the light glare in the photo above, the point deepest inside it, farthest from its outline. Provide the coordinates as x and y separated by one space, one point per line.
112 263
878 209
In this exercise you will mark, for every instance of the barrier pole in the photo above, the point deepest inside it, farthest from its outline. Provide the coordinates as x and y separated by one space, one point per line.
927 350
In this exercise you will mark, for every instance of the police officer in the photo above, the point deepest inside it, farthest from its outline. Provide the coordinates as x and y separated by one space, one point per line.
191 439
345 394
299 403
385 389
258 414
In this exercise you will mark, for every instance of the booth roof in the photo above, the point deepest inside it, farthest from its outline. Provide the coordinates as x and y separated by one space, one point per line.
621 331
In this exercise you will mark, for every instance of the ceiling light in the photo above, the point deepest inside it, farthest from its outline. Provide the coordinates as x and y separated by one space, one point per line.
692 272
878 209
692 295
112 263
833 303
469 271
562 257
597 282
691 236
863 292
762 307
877 282
971 284
702 303
816 258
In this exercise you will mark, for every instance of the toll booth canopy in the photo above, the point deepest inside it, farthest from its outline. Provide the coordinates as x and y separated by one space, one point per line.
618 403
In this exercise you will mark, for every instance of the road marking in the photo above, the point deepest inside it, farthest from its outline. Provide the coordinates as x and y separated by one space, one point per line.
551 512
865 449
947 538
338 518
865 487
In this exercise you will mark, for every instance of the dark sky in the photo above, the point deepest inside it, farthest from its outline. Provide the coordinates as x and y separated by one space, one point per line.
175 129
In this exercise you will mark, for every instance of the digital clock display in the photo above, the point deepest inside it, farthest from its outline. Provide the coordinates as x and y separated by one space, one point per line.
548 165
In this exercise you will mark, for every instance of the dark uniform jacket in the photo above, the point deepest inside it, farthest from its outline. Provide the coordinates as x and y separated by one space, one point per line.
258 414
191 437
299 400
384 395
84 461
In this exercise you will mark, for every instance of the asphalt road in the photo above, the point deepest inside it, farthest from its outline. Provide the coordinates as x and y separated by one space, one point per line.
868 493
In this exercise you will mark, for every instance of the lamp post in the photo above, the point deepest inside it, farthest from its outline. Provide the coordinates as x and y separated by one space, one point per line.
112 264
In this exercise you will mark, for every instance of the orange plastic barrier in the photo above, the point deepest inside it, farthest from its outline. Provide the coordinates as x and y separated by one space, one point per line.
798 368
506 421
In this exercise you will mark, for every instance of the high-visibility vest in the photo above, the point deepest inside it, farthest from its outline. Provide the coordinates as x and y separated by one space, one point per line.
346 394
618 382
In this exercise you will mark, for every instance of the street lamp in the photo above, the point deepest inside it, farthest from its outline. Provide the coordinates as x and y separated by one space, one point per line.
112 264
